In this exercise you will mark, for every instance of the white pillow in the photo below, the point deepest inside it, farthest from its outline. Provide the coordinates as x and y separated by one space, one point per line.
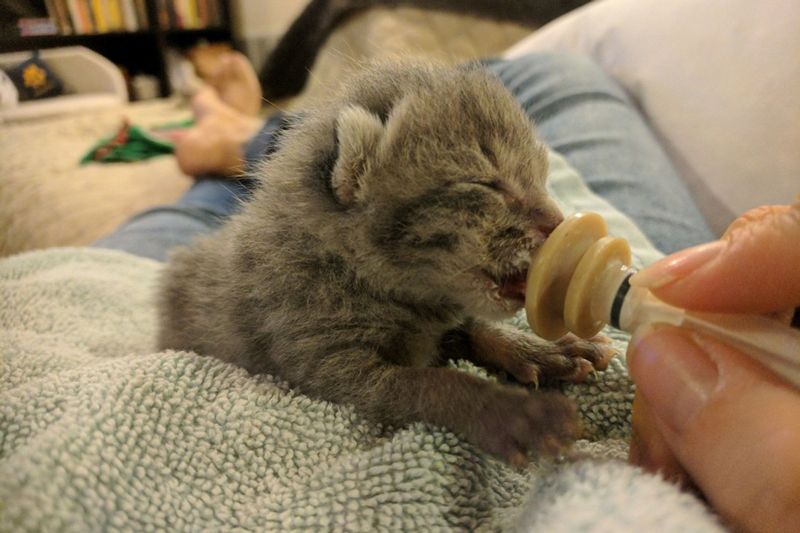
719 81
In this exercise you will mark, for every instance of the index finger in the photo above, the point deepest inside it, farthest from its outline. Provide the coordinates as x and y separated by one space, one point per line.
755 267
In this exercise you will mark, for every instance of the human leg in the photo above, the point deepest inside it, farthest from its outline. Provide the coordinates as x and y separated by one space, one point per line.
580 112
226 140
202 209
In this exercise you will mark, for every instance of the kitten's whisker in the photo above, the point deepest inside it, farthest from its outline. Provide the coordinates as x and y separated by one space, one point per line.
342 55
274 104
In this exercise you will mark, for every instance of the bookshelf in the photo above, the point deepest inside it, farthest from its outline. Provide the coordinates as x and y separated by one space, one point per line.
133 34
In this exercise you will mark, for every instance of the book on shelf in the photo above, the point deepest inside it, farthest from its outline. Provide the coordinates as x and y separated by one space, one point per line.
29 26
97 16
59 13
141 14
80 17
190 14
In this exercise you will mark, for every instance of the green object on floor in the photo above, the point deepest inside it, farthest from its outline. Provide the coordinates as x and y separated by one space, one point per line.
132 143
174 125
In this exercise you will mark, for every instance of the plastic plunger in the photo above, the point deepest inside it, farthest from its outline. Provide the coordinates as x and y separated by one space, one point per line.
574 276
577 282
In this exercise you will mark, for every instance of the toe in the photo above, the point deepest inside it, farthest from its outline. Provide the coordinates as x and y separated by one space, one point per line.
583 369
526 372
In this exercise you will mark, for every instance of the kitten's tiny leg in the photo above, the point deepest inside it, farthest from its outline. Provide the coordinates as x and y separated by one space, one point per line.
506 421
530 359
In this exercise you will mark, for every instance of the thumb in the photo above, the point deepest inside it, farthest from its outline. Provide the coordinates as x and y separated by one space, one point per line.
754 268
730 423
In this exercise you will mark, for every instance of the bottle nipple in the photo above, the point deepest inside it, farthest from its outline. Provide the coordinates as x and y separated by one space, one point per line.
576 283
574 278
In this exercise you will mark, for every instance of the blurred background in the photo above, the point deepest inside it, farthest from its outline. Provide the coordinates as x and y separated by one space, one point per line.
148 40
86 86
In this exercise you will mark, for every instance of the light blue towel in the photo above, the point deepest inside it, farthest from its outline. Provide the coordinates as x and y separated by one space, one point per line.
98 432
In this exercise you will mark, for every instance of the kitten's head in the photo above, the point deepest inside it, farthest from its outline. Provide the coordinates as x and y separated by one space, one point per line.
427 181
440 184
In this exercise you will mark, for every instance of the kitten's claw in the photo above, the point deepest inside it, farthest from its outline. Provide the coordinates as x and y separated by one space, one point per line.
535 382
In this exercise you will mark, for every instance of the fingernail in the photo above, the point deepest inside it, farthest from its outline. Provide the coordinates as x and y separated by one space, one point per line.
676 266
673 373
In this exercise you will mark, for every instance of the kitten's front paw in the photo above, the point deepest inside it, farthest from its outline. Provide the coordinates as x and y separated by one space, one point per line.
513 422
597 351
570 358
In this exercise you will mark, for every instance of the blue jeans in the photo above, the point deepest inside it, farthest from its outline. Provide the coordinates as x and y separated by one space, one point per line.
578 111
202 209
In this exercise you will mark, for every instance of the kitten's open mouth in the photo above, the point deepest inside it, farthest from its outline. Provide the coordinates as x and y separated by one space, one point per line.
511 286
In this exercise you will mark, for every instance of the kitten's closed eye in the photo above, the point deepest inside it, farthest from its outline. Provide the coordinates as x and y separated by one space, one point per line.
495 185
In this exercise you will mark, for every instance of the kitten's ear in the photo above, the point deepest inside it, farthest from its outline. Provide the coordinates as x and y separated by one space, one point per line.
358 132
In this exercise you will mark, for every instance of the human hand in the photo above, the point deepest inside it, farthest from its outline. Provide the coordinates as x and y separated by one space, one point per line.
704 410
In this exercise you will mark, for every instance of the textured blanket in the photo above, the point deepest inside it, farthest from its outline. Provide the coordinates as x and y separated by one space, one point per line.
98 432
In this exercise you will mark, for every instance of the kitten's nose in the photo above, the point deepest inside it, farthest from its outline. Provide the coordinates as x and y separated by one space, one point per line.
549 221
547 228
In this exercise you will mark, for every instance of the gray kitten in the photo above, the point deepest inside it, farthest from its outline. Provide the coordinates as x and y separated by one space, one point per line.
391 224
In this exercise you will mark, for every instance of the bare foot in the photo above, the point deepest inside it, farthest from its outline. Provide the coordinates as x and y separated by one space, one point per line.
237 84
215 144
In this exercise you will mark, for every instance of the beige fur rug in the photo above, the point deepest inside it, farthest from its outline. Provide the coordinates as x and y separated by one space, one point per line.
47 199
406 32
